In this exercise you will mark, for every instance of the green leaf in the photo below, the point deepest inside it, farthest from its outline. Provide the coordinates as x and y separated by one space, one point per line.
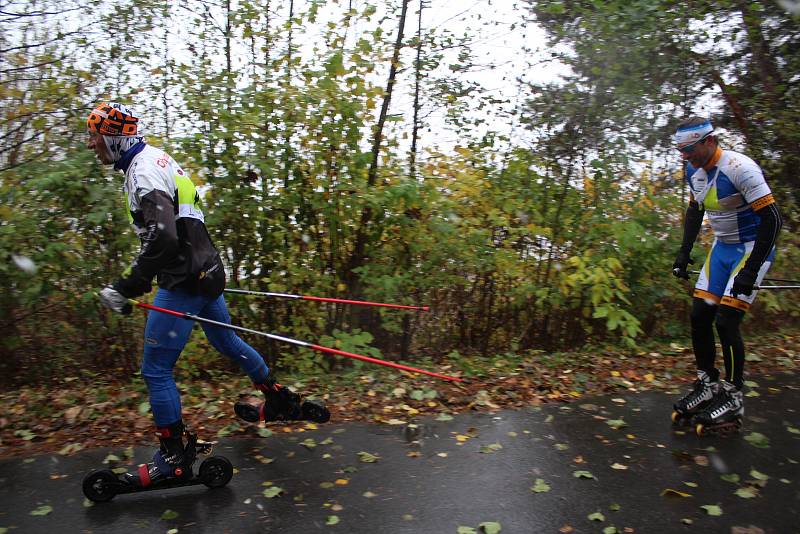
712 509
169 514
582 474
616 424
730 477
264 432
757 439
466 530
308 443
758 475
367 457
144 408
272 492
597 516
494 447
42 510
332 520
614 507
540 486
490 527
610 530
444 417
793 430
747 492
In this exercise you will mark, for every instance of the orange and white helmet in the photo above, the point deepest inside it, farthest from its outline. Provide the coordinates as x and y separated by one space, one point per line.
119 126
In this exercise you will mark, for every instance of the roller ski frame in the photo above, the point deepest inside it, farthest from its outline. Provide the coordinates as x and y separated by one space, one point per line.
693 403
102 485
280 404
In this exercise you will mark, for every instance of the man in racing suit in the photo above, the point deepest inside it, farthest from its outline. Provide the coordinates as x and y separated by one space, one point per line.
731 190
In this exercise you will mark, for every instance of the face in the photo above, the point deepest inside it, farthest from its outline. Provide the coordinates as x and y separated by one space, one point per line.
97 144
699 153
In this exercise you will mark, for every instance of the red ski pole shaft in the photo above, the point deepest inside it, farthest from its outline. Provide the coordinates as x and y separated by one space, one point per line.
326 299
320 348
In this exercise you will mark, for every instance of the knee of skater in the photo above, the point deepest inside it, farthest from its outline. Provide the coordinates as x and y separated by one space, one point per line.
158 379
727 326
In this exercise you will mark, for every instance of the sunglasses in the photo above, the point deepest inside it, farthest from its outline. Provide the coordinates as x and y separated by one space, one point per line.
688 149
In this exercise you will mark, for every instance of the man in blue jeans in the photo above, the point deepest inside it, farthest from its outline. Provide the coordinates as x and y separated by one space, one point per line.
176 248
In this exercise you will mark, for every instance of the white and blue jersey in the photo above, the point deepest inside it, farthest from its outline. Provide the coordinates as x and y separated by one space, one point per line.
730 192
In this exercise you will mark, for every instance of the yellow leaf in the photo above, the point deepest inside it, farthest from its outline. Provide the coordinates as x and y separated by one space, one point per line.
342 481
649 377
462 437
614 373
671 492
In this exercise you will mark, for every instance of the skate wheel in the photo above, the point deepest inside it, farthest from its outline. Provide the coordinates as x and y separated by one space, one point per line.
215 471
98 486
676 417
247 411
700 429
315 411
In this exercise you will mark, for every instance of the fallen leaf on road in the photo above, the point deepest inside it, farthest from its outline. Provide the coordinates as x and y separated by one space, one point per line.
490 527
747 492
42 510
540 486
272 492
169 514
712 509
582 474
669 492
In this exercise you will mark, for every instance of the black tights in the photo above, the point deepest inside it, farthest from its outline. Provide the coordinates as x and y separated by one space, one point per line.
727 320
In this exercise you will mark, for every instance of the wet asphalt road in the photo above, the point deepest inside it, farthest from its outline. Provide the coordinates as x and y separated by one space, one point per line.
473 469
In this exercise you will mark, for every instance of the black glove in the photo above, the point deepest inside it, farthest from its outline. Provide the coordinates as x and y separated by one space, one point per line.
682 261
115 300
743 283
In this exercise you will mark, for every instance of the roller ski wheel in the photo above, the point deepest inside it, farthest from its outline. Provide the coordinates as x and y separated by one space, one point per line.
102 485
215 472
315 411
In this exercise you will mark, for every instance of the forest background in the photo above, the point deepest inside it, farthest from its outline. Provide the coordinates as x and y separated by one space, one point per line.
370 150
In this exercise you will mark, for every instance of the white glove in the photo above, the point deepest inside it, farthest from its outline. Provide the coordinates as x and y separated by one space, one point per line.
113 299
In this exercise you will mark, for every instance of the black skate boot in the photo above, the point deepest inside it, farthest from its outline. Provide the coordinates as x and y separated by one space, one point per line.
696 400
169 462
723 416
281 404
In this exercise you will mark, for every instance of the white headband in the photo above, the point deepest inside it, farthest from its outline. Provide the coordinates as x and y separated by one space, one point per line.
692 134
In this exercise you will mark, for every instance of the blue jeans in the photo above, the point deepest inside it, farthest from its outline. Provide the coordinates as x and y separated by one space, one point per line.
165 336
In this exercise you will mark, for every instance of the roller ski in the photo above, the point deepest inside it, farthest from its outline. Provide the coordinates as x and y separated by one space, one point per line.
724 416
172 467
280 404
696 400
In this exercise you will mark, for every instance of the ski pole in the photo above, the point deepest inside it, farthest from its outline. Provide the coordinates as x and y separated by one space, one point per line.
776 287
325 299
320 348
771 280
